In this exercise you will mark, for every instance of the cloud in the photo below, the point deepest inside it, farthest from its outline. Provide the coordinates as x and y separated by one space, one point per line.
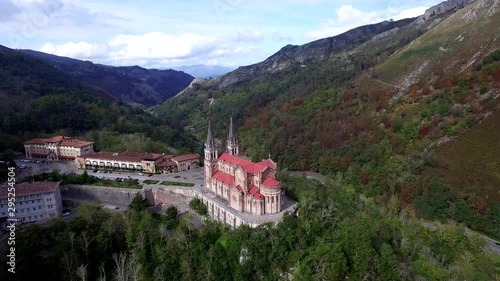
8 10
409 13
277 36
348 17
161 45
248 35
81 50
154 49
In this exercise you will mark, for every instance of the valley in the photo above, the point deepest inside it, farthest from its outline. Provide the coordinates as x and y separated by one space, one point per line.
384 141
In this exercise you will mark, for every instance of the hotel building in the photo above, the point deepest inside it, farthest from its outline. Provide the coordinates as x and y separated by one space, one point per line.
37 201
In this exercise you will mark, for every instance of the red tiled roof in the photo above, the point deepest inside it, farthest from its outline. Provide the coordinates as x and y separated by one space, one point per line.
269 163
75 143
35 141
167 157
56 139
253 190
60 140
225 178
166 164
23 189
271 182
248 166
239 188
186 157
258 196
152 156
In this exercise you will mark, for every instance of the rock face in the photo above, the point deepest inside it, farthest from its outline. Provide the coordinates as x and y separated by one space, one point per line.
444 7
321 49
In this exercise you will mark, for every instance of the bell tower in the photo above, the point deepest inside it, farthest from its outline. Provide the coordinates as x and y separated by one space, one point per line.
232 141
211 156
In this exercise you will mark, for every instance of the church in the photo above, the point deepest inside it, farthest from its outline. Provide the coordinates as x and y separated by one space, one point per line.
246 186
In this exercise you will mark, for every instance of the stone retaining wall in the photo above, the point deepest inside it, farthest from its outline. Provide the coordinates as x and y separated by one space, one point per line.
122 196
156 195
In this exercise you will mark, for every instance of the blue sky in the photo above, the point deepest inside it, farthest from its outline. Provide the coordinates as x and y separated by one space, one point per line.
163 34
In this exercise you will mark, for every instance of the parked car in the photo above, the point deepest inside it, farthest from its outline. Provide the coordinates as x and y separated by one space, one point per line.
141 174
150 175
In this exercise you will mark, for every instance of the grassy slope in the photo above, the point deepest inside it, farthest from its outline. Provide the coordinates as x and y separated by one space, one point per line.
466 36
470 162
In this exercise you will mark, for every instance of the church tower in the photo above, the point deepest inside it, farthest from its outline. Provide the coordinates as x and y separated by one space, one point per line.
232 141
211 156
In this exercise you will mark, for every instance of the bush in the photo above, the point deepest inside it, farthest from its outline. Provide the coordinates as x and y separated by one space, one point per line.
138 203
198 206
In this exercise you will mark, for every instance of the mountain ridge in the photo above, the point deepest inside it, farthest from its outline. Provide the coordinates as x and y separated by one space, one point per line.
129 84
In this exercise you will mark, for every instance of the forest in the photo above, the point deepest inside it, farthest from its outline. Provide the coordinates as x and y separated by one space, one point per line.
337 235
311 119
39 100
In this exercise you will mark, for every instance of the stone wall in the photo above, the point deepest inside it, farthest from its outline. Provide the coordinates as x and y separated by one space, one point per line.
122 196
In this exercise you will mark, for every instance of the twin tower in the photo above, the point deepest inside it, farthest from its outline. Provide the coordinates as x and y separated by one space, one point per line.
232 145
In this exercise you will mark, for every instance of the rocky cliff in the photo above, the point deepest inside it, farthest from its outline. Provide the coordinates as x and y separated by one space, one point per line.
321 49
443 8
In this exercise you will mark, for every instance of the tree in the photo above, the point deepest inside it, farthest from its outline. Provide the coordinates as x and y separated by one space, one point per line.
9 155
387 265
198 206
85 176
171 217
138 203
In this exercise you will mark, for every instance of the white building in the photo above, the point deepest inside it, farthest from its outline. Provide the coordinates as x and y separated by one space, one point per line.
37 201
57 148
135 161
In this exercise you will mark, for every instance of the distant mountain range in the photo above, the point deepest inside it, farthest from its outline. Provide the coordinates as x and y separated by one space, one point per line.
129 84
204 71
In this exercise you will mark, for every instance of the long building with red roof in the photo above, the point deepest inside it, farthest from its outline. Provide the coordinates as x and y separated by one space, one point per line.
57 148
247 186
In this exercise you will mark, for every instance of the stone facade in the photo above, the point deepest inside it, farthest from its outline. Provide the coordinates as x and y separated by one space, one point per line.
246 186
187 162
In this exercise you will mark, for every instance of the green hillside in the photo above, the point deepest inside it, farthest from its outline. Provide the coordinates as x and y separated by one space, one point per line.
38 100
373 113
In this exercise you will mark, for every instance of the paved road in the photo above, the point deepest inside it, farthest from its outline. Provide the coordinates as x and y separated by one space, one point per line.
492 244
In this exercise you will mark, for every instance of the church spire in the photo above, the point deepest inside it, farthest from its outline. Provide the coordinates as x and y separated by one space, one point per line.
232 141
231 136
210 143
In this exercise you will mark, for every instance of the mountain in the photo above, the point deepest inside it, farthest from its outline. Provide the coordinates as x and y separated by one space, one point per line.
204 71
39 100
129 84
322 49
373 109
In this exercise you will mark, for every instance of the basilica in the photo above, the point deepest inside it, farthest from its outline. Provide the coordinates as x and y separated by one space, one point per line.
249 187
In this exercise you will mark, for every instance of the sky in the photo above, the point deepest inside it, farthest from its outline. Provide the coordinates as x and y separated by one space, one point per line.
167 33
